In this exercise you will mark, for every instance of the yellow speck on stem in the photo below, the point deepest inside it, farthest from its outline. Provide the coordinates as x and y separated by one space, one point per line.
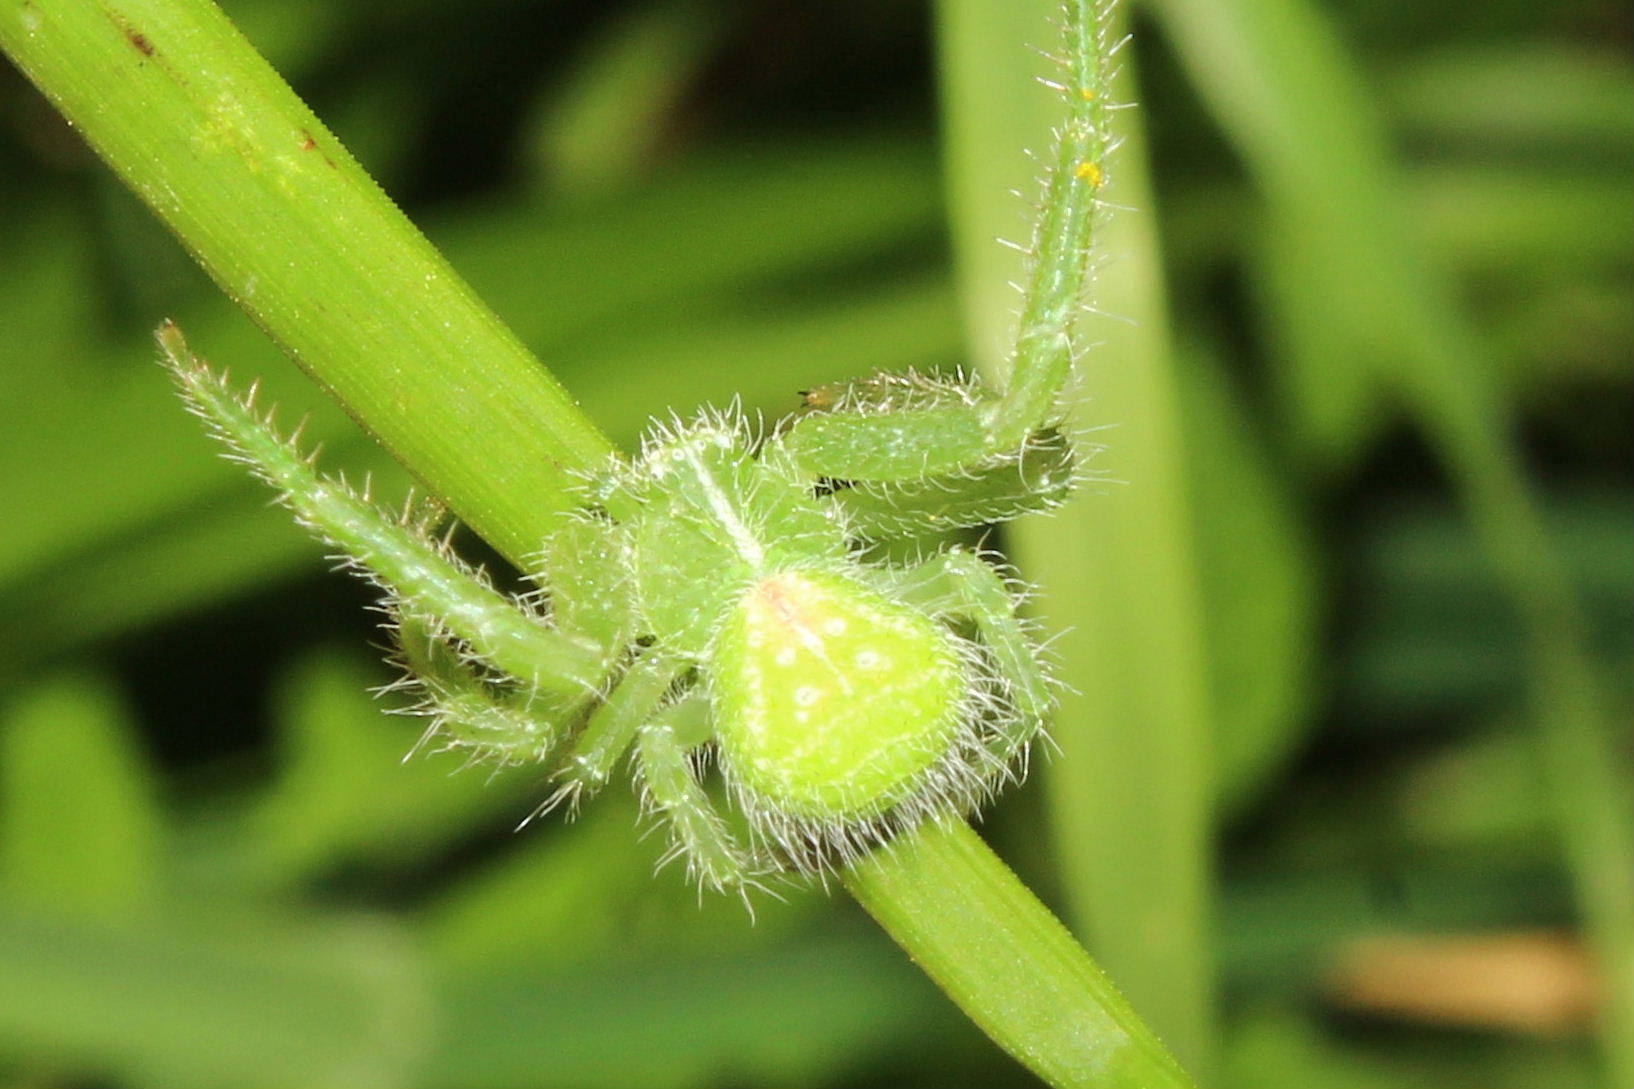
1089 172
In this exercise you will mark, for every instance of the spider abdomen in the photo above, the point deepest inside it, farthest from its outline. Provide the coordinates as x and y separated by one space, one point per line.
831 701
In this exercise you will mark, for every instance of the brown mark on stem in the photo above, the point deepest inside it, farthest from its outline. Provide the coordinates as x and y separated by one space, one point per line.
310 143
136 38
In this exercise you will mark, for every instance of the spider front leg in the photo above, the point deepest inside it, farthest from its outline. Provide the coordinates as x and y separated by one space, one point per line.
420 575
501 678
896 431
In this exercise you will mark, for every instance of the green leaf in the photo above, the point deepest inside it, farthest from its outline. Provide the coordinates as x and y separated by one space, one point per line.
1296 106
610 118
80 826
805 1013
186 1001
1258 583
1132 792
346 790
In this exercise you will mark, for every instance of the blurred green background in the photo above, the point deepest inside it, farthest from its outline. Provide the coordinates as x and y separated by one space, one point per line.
216 870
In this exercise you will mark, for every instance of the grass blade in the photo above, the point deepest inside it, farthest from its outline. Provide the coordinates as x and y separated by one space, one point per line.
1285 91
1131 792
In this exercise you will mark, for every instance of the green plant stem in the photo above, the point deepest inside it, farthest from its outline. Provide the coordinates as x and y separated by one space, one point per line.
965 919
1130 793
291 227
294 231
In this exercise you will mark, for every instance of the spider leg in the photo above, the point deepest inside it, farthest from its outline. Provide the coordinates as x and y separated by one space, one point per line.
671 787
1038 477
888 443
912 454
897 432
420 575
960 585
470 711
612 727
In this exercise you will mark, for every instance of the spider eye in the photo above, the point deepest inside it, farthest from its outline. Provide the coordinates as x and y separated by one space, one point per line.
831 701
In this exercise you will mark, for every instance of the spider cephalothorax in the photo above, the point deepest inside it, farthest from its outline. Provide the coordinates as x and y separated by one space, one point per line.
721 600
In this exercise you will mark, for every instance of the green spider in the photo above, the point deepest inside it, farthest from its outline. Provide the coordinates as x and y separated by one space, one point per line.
719 602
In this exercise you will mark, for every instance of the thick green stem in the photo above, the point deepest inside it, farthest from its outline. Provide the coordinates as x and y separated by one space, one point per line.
976 930
288 224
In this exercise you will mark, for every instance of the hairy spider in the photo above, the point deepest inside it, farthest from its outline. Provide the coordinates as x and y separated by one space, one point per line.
718 599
